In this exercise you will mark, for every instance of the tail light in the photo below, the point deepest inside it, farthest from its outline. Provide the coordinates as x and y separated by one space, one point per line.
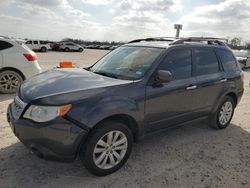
30 56
242 75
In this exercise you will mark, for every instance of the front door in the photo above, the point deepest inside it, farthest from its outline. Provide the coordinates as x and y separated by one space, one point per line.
171 103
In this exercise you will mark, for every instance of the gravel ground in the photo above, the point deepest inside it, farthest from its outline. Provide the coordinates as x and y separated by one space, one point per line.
190 156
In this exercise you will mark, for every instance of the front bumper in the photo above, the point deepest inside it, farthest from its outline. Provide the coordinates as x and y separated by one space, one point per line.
56 140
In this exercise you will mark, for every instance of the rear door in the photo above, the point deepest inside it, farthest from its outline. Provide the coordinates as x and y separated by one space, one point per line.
171 103
210 79
74 47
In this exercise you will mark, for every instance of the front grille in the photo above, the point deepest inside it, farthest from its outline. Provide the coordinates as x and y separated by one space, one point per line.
17 107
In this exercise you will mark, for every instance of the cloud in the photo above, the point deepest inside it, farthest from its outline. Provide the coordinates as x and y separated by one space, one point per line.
97 2
142 18
43 2
125 20
230 17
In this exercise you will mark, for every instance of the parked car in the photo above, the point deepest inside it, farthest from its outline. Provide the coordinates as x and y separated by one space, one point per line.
113 47
93 46
55 46
243 56
38 45
145 86
70 46
104 47
17 63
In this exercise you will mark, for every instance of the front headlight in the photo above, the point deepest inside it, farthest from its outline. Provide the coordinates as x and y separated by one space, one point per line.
45 113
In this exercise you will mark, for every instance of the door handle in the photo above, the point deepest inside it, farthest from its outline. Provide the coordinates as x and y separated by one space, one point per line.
191 87
223 80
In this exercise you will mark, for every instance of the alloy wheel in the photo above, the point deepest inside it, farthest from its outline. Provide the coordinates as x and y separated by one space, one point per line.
9 81
226 113
110 150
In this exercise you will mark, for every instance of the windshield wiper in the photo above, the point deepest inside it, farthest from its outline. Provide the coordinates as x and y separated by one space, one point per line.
87 68
106 74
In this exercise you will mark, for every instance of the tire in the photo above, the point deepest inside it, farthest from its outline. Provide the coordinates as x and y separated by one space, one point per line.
80 50
99 163
226 110
66 49
10 81
43 49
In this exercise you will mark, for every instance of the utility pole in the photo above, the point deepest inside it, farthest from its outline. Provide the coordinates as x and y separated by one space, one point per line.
178 27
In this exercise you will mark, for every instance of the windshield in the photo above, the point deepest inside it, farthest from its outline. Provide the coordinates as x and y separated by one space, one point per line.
130 63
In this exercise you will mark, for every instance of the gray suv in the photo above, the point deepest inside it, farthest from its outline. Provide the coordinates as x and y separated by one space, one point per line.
141 87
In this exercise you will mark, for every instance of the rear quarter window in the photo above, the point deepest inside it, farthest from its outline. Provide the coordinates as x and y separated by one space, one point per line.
227 59
5 45
43 42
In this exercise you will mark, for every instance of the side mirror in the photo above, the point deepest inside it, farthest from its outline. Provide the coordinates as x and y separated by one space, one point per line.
163 76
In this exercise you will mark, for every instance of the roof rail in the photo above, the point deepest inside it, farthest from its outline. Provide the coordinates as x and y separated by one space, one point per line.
168 39
209 40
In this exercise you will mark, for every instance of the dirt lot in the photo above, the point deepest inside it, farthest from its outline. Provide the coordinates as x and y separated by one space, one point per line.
190 156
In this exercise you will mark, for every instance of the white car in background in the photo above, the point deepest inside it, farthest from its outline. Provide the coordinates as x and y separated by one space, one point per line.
38 45
17 63
70 46
243 56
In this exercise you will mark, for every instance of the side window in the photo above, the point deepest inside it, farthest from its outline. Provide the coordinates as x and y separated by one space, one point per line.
206 61
43 42
28 42
179 63
35 42
227 59
5 45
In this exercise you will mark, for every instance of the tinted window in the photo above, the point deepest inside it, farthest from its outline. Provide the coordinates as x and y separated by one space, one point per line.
5 45
206 61
28 42
179 63
35 42
227 59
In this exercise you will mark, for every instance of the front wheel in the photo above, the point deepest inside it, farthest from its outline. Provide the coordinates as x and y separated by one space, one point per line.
80 50
107 149
43 49
224 114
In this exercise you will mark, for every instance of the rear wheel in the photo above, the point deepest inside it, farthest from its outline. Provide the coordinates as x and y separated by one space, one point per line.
10 81
224 114
80 50
107 149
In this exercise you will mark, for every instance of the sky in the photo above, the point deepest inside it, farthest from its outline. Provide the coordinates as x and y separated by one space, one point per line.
123 20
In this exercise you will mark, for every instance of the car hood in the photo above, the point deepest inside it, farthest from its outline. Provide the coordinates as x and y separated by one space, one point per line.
64 81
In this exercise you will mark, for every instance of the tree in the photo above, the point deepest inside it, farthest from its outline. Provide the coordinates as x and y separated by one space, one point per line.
235 41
